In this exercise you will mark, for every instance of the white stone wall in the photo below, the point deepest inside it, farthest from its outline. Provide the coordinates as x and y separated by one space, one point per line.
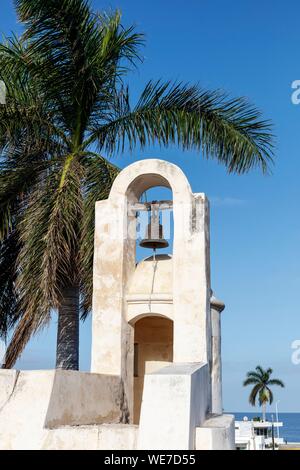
103 437
34 401
175 402
216 433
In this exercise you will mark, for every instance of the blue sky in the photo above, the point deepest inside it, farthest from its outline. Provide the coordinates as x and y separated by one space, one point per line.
248 48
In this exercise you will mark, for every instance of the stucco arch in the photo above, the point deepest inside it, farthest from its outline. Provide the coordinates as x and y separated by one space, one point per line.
132 320
146 174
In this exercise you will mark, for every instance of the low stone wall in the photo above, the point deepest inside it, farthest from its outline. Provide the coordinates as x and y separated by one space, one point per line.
22 416
8 380
84 398
73 410
34 401
101 437
216 433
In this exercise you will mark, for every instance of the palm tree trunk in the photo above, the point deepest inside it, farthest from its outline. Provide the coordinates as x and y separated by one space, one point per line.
264 411
67 352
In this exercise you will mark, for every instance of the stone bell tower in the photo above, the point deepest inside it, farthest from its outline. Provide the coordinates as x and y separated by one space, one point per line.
152 320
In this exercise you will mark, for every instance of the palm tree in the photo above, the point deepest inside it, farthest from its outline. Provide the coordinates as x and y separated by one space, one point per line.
67 112
262 382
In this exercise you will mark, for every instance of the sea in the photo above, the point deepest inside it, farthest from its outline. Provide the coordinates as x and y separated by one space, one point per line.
291 423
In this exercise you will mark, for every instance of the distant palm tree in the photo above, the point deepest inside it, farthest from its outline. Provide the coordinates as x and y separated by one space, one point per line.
261 380
67 112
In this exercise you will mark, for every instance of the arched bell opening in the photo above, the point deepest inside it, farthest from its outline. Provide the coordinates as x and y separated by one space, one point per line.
153 349
155 226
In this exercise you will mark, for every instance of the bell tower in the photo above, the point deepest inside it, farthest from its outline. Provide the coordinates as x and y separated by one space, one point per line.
116 307
152 320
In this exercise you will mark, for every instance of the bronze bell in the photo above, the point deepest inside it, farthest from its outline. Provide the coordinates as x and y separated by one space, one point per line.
154 238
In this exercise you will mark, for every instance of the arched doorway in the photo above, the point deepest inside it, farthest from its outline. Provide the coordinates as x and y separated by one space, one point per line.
153 349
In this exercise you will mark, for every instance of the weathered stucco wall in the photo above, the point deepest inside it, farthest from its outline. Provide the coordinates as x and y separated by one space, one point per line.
216 433
175 402
33 401
85 398
7 383
22 417
216 364
101 437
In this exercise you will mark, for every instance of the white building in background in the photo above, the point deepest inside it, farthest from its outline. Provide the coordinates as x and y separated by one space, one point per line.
155 380
257 435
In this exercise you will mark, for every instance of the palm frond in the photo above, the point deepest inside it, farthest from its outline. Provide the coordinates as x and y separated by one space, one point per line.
63 210
48 258
251 381
255 375
17 177
22 334
33 301
99 176
9 308
253 394
27 120
229 130
260 371
276 382
79 52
